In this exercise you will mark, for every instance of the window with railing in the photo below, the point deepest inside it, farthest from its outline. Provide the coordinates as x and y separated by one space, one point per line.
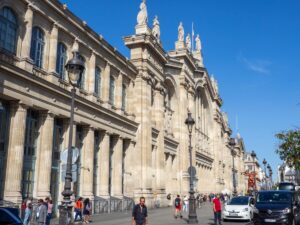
61 60
37 46
8 30
97 82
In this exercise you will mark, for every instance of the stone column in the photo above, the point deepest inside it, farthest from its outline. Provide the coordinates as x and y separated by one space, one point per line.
88 163
15 153
26 42
105 84
53 48
103 188
45 155
118 92
117 162
91 75
129 169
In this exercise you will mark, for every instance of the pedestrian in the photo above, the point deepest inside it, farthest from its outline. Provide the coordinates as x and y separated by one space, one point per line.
87 209
177 205
217 209
185 203
41 214
139 213
28 214
49 210
78 209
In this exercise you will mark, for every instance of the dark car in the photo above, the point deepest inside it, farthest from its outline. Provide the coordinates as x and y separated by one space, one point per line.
9 216
276 207
287 186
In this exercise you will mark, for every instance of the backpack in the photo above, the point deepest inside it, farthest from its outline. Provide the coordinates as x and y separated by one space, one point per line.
177 201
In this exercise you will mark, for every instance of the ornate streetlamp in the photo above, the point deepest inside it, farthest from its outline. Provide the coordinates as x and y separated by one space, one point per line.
265 163
74 67
253 155
233 154
269 169
192 201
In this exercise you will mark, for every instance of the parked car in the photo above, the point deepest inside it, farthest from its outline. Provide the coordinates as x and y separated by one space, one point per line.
287 186
276 207
9 216
239 208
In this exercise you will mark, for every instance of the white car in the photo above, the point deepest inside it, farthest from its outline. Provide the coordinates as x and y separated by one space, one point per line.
239 208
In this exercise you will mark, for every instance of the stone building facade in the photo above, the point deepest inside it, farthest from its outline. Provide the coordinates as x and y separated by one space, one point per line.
129 113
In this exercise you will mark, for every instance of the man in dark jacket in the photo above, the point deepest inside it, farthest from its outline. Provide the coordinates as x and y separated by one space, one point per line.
42 213
139 213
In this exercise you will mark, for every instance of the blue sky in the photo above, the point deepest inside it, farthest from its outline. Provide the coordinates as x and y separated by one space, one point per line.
251 46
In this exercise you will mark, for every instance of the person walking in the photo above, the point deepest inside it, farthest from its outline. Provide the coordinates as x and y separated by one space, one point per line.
177 204
139 213
27 214
49 210
185 203
41 214
217 209
78 209
87 209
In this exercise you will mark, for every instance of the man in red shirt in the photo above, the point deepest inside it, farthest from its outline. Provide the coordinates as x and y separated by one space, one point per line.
217 209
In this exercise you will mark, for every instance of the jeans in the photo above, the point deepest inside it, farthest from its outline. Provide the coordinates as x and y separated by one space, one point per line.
78 213
48 218
217 216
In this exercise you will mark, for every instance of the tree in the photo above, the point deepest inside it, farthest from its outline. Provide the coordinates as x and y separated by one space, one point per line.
289 147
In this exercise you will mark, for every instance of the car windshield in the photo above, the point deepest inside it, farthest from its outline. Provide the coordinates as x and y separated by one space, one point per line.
274 197
239 201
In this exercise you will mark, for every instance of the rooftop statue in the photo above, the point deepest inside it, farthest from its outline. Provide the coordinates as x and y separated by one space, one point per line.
198 43
142 17
156 28
180 32
188 42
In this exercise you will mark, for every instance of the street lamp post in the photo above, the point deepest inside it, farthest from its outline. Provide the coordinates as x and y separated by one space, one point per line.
192 201
233 154
253 155
265 163
74 67
269 169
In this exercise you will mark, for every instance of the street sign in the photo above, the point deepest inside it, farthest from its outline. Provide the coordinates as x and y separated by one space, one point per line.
74 172
64 155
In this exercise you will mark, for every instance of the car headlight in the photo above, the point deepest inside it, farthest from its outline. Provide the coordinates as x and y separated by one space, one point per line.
245 210
255 210
225 210
286 211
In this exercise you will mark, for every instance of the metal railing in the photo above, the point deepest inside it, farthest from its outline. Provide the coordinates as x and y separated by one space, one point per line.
112 204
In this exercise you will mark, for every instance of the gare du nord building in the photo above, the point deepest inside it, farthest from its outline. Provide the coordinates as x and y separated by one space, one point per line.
129 113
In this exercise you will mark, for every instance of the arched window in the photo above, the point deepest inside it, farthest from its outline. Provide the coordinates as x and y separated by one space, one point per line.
97 81
61 60
8 30
37 46
82 77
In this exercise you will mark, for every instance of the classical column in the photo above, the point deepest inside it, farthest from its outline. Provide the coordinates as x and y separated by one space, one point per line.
105 86
129 169
117 162
15 153
88 163
118 92
131 99
103 184
53 48
91 76
26 42
45 155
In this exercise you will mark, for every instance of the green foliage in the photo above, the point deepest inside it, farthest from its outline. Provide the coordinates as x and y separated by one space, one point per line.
289 147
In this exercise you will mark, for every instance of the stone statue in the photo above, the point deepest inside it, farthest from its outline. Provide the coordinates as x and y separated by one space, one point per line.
156 28
188 42
214 83
180 32
198 43
142 17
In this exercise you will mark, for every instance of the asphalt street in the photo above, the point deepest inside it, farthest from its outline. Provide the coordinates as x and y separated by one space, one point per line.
161 216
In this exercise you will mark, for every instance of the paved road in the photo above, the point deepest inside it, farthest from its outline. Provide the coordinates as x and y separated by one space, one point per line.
162 216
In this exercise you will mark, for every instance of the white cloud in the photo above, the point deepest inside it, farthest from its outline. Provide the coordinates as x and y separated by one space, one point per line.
257 65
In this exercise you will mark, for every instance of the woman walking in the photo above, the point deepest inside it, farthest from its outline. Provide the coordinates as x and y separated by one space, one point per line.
87 209
28 214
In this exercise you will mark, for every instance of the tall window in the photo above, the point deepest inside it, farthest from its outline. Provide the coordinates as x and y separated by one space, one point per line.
97 81
61 60
8 30
37 46
124 96
31 137
82 77
111 90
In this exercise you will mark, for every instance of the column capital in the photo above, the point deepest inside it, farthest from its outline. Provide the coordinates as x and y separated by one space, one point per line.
48 114
18 106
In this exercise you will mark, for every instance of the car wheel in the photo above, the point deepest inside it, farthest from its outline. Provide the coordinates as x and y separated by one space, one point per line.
224 220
